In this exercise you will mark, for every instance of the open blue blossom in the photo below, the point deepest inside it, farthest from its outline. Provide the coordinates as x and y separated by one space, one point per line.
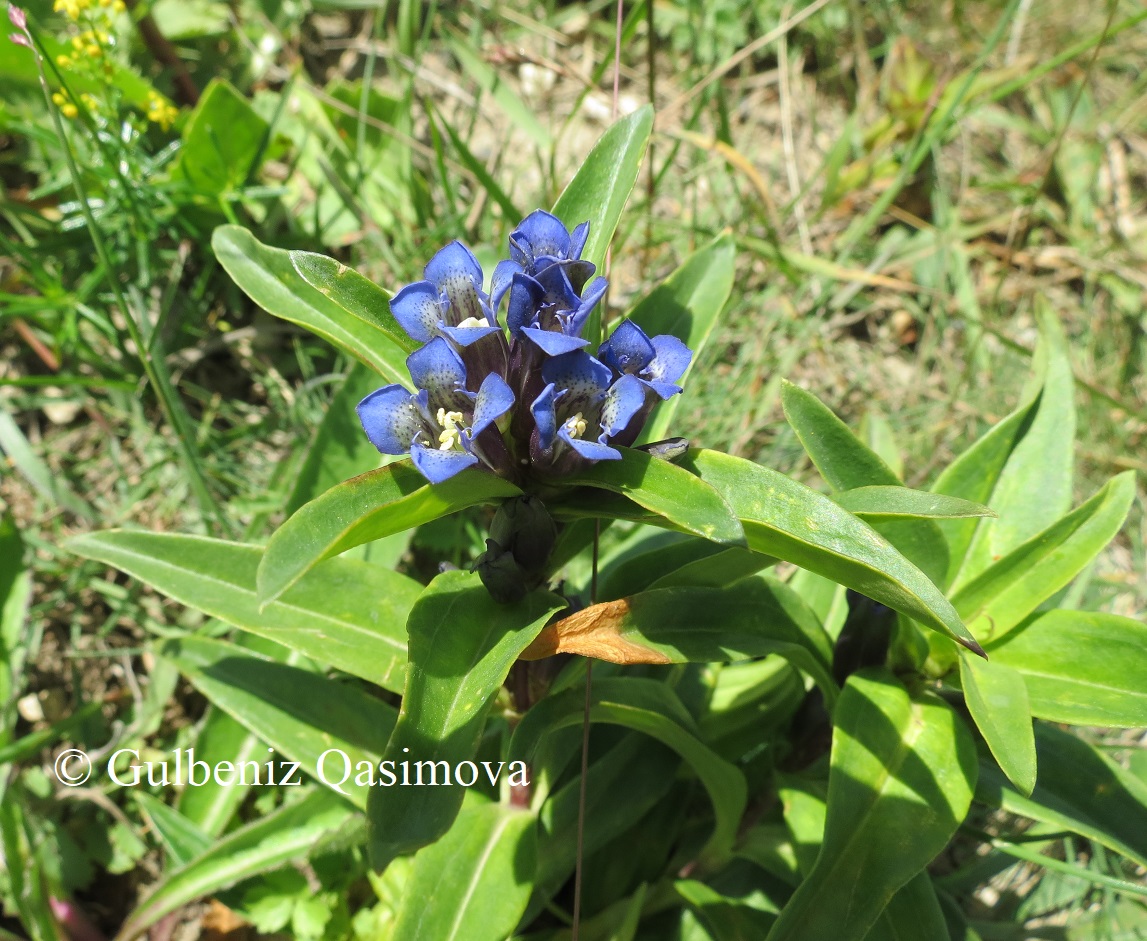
449 302
549 312
658 363
542 242
440 423
580 409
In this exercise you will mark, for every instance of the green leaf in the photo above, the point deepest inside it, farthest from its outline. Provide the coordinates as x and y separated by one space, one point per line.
879 503
687 305
1040 463
664 488
219 738
913 914
348 614
642 564
1079 789
15 596
647 706
846 463
358 296
221 141
787 520
751 618
300 714
182 839
1000 597
1081 667
716 570
998 701
268 276
900 782
474 883
462 644
599 190
282 837
375 504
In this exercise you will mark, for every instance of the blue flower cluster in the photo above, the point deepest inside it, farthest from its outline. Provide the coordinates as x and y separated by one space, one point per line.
530 401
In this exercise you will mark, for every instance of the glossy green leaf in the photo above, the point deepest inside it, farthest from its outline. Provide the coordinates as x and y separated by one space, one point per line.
268 843
474 883
650 707
878 503
300 714
913 914
1079 789
787 520
349 614
687 305
972 476
268 277
358 296
220 737
375 504
221 141
997 698
182 839
599 190
643 563
1000 597
726 918
1081 667
1041 462
716 570
462 644
751 618
664 488
900 783
846 463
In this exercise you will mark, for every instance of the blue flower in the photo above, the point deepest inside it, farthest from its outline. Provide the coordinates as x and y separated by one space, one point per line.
657 363
580 409
438 424
542 242
449 302
548 311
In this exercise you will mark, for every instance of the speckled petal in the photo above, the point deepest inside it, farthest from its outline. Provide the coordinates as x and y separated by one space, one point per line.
542 234
437 466
390 419
628 349
590 449
418 310
464 336
671 359
525 296
553 343
437 369
495 398
501 280
580 374
545 417
593 293
457 275
623 400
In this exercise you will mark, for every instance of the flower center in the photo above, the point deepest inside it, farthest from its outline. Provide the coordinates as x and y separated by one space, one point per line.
451 435
473 322
575 425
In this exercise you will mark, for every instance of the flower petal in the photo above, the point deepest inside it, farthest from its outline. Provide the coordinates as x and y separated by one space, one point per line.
590 449
671 359
553 343
541 234
623 400
577 240
390 419
628 349
456 273
439 370
418 310
589 298
437 466
500 281
526 295
580 374
464 336
545 417
495 398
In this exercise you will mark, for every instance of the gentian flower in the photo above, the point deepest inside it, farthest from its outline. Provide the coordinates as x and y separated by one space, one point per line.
549 312
440 423
449 302
657 362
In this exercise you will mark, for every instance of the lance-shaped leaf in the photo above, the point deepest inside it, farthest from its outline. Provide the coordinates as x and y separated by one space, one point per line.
268 277
1000 597
687 305
474 883
669 491
751 618
913 913
375 504
846 463
182 839
900 782
348 614
462 644
884 503
1081 667
300 714
651 707
997 698
220 737
787 520
1079 789
281 837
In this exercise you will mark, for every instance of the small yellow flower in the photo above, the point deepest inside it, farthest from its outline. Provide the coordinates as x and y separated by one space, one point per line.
63 61
69 111
59 99
160 111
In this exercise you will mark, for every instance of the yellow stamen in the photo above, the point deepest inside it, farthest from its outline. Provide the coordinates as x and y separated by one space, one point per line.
451 434
575 425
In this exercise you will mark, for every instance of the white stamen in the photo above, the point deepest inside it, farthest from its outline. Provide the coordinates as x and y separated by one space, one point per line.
451 432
